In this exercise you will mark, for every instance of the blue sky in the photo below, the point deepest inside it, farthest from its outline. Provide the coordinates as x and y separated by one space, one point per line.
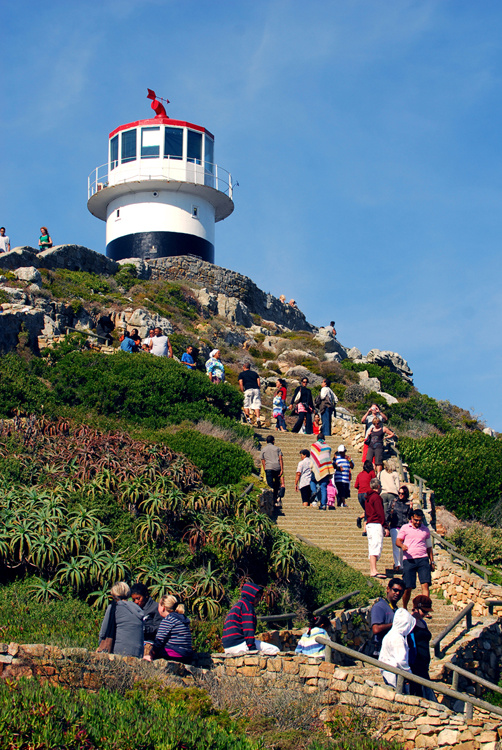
365 137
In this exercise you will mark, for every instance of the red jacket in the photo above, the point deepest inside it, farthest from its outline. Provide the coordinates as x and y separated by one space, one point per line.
373 508
363 480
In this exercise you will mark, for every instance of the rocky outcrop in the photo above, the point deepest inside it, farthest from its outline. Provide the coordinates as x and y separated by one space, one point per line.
231 284
325 337
230 308
393 361
143 270
71 257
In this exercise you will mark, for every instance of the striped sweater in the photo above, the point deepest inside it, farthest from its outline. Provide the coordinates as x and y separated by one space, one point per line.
320 460
308 645
173 633
240 623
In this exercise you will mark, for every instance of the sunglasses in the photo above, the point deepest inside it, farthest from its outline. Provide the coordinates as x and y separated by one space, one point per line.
398 590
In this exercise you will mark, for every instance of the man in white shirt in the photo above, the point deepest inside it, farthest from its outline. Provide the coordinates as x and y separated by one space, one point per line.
4 241
326 402
160 345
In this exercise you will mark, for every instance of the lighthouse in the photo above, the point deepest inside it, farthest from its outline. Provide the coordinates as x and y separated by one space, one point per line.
160 192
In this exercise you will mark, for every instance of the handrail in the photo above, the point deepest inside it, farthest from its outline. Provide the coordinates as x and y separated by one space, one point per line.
438 687
471 676
458 556
467 613
335 601
163 168
493 603
289 616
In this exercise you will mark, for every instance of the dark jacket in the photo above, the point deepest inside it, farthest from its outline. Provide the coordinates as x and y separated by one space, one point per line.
399 514
305 397
151 619
240 623
173 633
373 508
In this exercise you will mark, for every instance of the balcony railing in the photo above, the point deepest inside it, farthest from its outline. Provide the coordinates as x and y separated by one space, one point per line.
195 173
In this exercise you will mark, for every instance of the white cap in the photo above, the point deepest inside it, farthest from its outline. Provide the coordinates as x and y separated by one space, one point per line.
341 449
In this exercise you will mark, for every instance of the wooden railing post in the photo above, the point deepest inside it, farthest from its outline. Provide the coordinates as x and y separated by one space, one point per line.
469 711
454 682
400 684
329 655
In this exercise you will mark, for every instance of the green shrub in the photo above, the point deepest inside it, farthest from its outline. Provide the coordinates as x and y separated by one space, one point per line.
464 469
419 406
390 381
34 714
137 387
221 462
66 622
482 544
330 578
127 276
19 387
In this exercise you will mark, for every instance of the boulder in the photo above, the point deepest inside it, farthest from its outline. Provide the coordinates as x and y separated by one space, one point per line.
274 344
393 361
233 310
370 384
299 372
11 321
76 258
19 257
390 399
354 353
234 338
207 299
325 337
489 431
292 355
15 294
143 320
29 274
333 357
143 270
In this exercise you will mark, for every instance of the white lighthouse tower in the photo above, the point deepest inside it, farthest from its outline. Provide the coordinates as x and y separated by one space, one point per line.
160 192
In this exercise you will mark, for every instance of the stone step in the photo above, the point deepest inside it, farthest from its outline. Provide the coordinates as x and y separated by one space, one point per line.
336 530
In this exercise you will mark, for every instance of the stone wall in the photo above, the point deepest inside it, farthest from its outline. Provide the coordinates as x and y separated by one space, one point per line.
407 719
462 587
219 280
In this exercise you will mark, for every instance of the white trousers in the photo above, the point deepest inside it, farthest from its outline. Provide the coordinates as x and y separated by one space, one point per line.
396 551
242 648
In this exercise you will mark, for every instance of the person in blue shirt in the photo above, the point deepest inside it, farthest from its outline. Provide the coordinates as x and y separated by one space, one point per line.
187 358
128 344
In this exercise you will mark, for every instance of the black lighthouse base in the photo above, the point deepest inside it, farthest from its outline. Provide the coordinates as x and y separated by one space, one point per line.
159 245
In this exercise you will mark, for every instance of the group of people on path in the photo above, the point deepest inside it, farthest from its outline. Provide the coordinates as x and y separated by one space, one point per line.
136 625
401 639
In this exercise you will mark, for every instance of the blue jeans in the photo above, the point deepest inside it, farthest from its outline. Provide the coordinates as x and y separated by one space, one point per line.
326 421
323 484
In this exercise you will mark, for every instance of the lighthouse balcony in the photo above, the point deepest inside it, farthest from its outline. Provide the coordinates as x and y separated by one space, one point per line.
192 172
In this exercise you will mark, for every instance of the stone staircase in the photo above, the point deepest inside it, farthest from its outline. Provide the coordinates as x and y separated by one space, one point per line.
336 530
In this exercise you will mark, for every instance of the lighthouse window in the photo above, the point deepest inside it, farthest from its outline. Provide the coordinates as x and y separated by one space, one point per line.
128 146
150 143
208 161
194 147
114 152
173 143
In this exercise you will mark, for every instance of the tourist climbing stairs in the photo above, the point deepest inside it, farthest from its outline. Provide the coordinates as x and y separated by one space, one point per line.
336 530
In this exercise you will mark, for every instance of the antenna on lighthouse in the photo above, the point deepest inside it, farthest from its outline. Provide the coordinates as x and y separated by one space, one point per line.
157 107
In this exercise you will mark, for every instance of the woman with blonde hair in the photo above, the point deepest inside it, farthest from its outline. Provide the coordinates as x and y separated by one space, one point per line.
123 624
389 479
174 640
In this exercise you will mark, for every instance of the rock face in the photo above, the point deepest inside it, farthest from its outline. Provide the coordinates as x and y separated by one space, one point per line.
72 257
331 346
231 284
393 361
143 270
